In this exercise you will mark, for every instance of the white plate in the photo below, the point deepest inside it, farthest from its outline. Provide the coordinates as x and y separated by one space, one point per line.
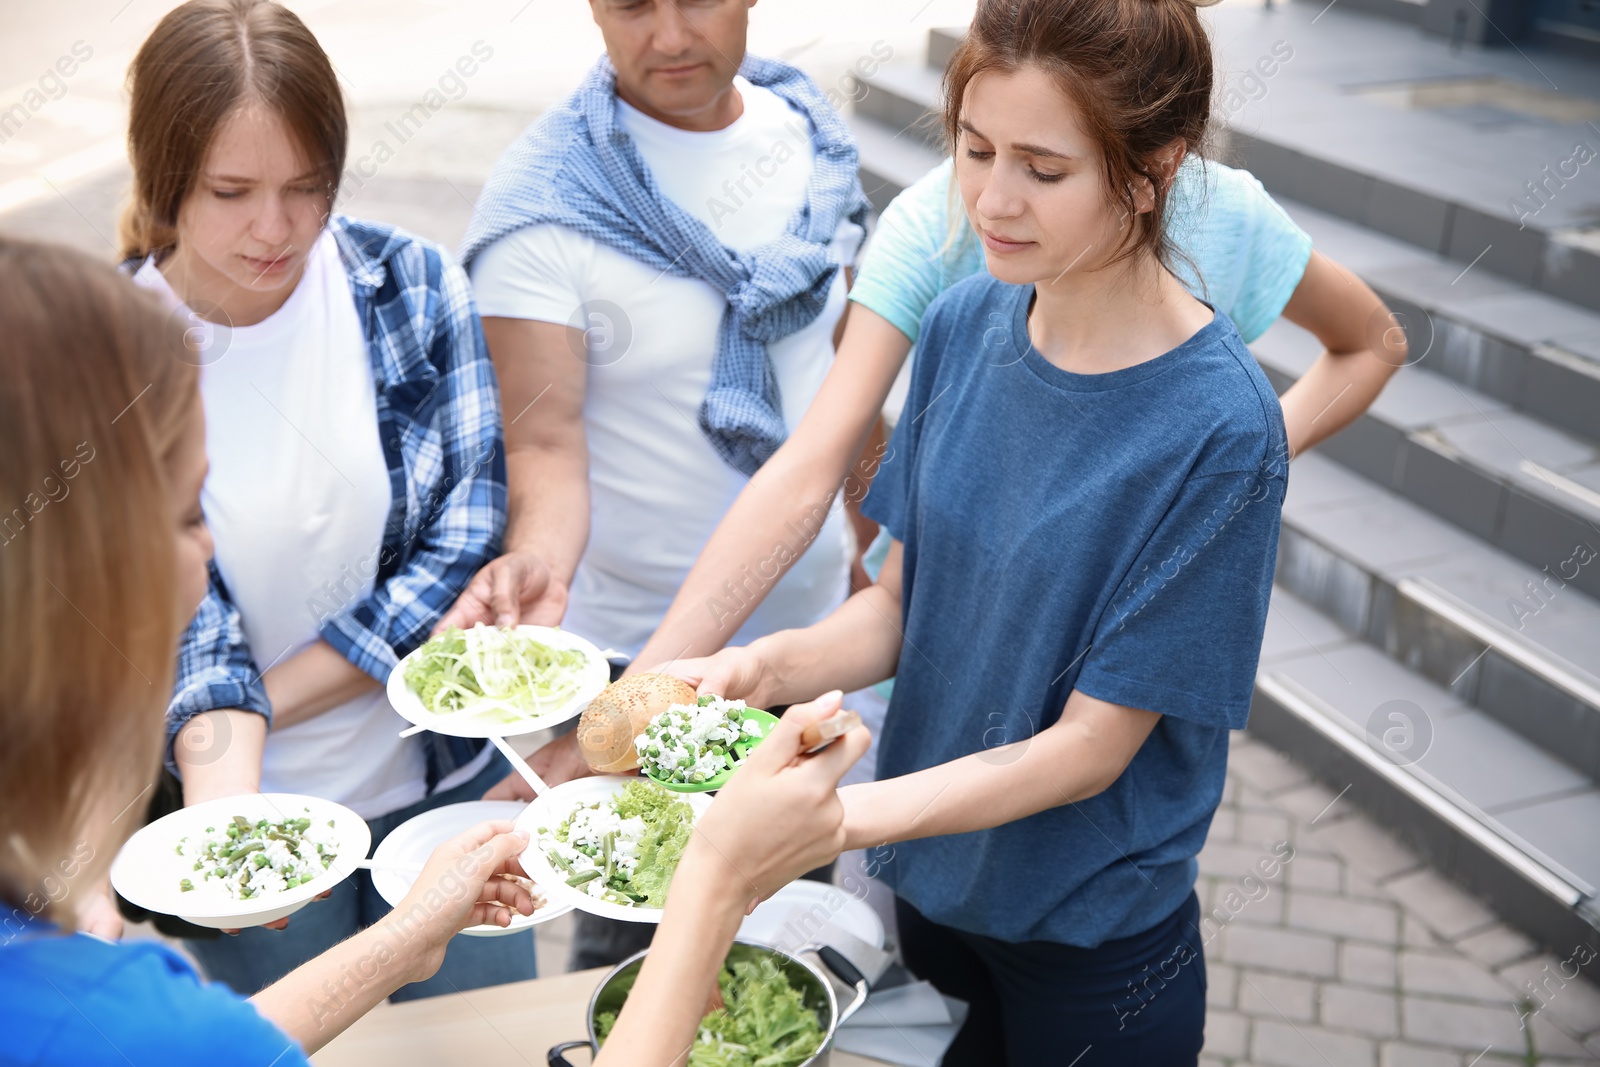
148 869
552 809
792 917
594 677
413 841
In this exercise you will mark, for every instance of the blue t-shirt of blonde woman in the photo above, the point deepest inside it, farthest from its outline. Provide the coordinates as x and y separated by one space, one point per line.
1240 252
1112 533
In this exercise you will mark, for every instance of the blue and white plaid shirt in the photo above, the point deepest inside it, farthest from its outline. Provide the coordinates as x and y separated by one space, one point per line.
439 425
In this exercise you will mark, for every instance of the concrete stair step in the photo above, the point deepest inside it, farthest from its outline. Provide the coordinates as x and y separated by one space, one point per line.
1535 352
1489 177
891 159
1448 179
1497 634
905 97
1498 474
1490 809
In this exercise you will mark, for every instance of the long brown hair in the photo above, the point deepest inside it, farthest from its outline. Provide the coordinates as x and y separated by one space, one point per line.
1139 71
202 63
94 399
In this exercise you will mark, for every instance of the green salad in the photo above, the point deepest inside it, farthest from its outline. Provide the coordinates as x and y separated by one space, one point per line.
495 673
622 849
693 743
247 859
765 1023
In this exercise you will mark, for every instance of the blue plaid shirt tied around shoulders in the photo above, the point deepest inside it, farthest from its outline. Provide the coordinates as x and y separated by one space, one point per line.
439 426
574 167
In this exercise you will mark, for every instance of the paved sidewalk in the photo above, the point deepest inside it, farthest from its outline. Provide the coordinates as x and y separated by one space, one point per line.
1357 952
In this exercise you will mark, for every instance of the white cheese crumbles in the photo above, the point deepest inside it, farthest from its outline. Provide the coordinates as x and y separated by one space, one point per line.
693 743
599 840
247 861
622 849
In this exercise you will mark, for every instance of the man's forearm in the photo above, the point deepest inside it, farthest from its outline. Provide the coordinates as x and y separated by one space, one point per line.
549 514
218 754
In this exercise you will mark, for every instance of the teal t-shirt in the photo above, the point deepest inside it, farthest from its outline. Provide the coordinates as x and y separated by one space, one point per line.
1249 254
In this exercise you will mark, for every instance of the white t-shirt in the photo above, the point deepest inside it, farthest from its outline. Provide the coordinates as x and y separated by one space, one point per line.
657 488
296 499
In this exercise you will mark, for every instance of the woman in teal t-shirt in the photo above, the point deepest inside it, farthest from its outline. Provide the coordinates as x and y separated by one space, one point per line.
1084 495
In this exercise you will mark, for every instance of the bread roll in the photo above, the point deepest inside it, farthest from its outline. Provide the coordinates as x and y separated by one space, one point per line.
620 713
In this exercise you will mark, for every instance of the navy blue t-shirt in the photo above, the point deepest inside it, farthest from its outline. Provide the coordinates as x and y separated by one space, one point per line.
1114 533
75 999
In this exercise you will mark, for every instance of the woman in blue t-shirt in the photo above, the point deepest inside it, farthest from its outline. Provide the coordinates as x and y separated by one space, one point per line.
104 561
1084 494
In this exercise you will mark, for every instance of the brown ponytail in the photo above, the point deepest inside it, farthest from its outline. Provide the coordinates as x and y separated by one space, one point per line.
1138 70
204 61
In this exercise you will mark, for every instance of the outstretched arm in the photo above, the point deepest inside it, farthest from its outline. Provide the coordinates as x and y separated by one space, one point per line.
793 488
547 475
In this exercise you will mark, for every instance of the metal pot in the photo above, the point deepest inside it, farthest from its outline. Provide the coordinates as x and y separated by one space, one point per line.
802 974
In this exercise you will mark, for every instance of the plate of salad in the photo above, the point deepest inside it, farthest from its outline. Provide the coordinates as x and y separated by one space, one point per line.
497 682
609 845
241 861
695 748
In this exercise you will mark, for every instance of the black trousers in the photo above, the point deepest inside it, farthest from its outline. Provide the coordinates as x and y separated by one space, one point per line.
1138 1001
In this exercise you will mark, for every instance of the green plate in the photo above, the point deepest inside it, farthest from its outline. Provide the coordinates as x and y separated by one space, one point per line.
741 750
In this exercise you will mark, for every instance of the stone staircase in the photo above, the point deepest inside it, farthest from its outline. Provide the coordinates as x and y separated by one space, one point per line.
1434 643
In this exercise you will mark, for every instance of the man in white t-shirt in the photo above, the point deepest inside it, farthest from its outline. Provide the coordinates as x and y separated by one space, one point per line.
604 358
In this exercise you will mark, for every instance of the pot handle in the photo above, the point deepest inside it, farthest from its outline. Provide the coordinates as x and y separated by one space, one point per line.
847 973
556 1058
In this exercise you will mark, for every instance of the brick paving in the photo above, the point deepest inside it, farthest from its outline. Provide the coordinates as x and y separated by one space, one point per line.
1354 952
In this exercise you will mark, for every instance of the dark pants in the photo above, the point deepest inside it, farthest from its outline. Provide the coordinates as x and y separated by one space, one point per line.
1136 1000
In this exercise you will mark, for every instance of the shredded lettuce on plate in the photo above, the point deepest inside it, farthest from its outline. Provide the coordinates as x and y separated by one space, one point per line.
493 673
765 1023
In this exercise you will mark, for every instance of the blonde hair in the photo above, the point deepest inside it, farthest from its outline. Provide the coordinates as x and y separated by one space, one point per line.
94 402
